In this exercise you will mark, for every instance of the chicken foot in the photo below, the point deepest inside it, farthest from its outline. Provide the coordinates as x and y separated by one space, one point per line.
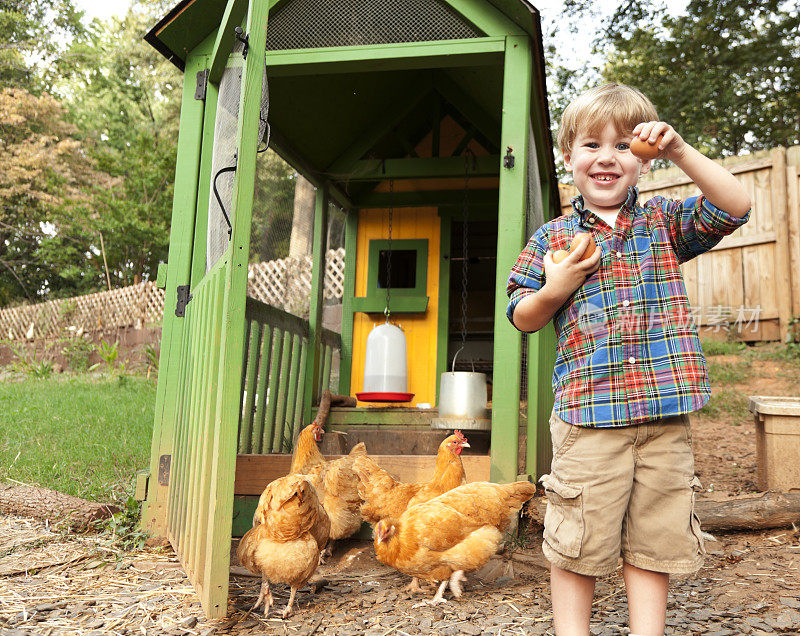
264 596
414 587
438 598
326 552
288 611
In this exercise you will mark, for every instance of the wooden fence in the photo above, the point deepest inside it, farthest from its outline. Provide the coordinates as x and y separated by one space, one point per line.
284 283
749 282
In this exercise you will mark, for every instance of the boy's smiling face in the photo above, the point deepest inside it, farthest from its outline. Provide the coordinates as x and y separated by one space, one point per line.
603 168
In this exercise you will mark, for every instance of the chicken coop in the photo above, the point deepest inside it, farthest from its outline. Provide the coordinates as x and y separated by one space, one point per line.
426 123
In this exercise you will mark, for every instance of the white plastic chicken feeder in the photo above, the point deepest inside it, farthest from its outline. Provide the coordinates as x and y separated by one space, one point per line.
385 368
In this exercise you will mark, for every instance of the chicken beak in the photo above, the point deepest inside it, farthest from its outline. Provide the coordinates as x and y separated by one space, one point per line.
465 445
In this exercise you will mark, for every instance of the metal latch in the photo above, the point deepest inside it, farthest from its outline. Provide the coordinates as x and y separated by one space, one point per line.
244 38
163 469
508 160
202 84
183 299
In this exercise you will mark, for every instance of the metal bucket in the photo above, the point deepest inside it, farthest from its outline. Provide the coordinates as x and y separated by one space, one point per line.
463 395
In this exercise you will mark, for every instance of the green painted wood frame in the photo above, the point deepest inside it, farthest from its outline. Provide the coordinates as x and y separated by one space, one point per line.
425 198
217 561
423 168
179 265
542 344
348 293
443 320
517 75
223 43
403 300
313 360
386 57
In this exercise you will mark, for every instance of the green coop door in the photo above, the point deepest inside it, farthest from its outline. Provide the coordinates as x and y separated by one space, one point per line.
209 368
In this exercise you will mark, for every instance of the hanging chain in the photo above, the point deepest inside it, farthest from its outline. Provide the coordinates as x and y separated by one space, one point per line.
464 254
386 311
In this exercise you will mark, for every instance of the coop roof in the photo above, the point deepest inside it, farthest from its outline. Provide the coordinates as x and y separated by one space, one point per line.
189 22
343 122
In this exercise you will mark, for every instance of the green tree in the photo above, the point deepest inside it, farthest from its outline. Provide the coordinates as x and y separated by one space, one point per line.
34 35
726 74
45 172
124 101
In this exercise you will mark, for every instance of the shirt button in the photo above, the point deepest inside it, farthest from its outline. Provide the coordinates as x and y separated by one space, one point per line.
632 360
625 303
619 254
591 220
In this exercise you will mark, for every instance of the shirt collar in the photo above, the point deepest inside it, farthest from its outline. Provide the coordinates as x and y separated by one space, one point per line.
629 204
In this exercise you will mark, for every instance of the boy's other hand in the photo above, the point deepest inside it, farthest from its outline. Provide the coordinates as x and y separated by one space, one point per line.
565 277
671 146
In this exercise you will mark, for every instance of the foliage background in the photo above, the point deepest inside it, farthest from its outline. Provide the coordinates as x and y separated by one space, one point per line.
89 116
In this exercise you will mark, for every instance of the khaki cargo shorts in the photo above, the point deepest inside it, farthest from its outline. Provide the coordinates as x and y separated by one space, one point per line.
626 492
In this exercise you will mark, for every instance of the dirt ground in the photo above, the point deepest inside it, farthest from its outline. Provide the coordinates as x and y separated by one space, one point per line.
51 583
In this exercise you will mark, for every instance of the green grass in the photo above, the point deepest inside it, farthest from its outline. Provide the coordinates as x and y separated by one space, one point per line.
728 403
81 436
728 373
722 347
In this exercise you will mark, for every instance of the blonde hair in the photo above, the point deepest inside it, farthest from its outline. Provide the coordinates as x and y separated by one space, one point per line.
622 105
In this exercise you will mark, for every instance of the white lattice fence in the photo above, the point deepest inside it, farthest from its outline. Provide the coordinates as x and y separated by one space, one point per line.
125 307
284 283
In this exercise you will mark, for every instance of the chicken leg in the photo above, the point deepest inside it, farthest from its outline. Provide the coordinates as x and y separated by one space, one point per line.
438 598
288 611
456 578
265 596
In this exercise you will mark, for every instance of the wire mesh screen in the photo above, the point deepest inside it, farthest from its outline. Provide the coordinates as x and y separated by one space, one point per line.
311 24
281 240
223 163
534 219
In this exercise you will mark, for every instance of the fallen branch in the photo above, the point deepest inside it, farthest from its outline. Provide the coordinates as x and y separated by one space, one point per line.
768 510
60 509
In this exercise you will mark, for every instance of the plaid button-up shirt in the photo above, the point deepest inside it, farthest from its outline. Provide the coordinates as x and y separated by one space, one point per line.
628 349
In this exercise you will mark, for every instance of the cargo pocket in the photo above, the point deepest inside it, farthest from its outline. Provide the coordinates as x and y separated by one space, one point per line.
563 520
696 486
562 435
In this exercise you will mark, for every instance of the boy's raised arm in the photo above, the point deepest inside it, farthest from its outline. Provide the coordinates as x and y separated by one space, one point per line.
718 185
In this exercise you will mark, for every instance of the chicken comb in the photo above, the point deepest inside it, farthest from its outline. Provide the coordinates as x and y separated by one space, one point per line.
460 436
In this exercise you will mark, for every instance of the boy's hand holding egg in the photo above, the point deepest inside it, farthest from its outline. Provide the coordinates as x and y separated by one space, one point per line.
567 270
655 139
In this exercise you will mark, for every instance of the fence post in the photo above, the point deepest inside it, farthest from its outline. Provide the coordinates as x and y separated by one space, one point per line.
780 207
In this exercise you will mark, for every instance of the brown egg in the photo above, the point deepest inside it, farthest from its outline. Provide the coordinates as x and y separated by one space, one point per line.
644 149
560 255
580 238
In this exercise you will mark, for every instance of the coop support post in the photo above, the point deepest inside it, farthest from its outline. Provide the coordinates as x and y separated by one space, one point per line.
348 293
312 389
154 516
223 43
443 322
204 186
214 591
510 239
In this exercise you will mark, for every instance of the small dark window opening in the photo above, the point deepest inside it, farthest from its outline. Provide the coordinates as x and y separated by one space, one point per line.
404 269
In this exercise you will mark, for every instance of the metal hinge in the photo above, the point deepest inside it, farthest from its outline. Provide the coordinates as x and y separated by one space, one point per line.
183 299
202 84
163 469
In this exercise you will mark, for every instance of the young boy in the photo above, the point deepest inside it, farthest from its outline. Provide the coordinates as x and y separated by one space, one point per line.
629 365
